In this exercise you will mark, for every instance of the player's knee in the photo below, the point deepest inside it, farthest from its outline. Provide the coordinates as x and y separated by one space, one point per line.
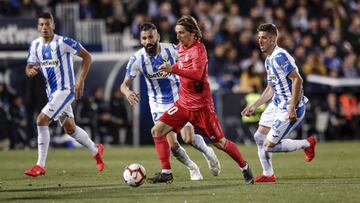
154 131
187 139
268 146
42 120
69 129
259 138
175 148
220 144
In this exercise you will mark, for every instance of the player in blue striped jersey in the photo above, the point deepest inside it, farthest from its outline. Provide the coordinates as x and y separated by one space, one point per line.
51 56
163 89
286 109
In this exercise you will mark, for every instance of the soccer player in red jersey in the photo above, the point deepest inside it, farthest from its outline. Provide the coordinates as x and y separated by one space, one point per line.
195 104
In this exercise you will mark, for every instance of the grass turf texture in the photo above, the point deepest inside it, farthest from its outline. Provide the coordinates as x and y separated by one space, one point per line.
333 176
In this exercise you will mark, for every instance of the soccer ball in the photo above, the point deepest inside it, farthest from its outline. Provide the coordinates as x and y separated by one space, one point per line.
134 175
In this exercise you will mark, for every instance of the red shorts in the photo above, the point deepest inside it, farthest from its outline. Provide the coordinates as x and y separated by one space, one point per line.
204 120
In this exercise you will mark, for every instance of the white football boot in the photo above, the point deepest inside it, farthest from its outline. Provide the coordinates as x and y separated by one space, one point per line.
195 173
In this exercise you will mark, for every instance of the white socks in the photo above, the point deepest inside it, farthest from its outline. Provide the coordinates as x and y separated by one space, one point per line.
201 146
289 145
83 138
180 154
264 157
44 140
43 144
265 153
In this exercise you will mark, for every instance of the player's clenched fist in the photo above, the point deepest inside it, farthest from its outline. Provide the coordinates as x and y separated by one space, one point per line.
31 70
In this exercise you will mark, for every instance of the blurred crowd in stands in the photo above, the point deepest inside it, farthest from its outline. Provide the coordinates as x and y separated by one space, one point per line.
322 35
105 122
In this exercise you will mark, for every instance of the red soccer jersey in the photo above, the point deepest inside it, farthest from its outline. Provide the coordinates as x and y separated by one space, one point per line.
192 68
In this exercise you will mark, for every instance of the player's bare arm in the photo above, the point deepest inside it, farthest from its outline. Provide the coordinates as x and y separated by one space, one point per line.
31 70
85 66
265 97
297 82
132 97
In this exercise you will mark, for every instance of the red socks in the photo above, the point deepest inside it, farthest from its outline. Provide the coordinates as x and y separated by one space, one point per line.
163 150
231 149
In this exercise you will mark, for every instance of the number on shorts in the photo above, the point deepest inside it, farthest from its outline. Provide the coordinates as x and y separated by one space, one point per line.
172 110
155 116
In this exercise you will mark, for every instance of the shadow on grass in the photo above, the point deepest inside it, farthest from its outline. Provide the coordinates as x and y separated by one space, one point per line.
44 189
112 191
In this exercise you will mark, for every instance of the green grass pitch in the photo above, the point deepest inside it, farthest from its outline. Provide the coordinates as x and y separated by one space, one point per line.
333 176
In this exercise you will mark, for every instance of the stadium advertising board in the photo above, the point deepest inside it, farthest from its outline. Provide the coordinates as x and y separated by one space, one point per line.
17 33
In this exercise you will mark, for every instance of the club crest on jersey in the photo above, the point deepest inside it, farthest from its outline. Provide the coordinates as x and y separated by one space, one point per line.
165 58
273 79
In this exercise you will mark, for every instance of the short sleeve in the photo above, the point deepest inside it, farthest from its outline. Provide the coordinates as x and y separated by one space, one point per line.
285 64
132 67
172 54
175 51
32 58
71 45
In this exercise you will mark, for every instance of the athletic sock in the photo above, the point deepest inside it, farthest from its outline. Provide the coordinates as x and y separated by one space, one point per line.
43 144
231 149
180 154
163 150
83 138
264 157
289 145
201 146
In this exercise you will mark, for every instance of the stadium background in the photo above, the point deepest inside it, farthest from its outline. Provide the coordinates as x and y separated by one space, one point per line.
323 37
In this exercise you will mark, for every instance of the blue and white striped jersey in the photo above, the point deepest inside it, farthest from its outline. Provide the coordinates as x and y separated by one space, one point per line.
56 62
163 88
278 65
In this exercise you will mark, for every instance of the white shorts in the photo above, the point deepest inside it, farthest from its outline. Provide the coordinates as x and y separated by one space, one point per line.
157 110
278 120
59 105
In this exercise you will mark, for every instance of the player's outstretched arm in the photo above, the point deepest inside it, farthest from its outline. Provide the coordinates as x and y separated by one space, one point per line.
265 96
132 97
85 66
31 70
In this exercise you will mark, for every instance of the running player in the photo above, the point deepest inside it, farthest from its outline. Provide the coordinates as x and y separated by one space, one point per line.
163 92
195 104
51 56
286 110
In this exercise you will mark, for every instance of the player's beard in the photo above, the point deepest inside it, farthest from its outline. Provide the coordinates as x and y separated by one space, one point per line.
151 48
